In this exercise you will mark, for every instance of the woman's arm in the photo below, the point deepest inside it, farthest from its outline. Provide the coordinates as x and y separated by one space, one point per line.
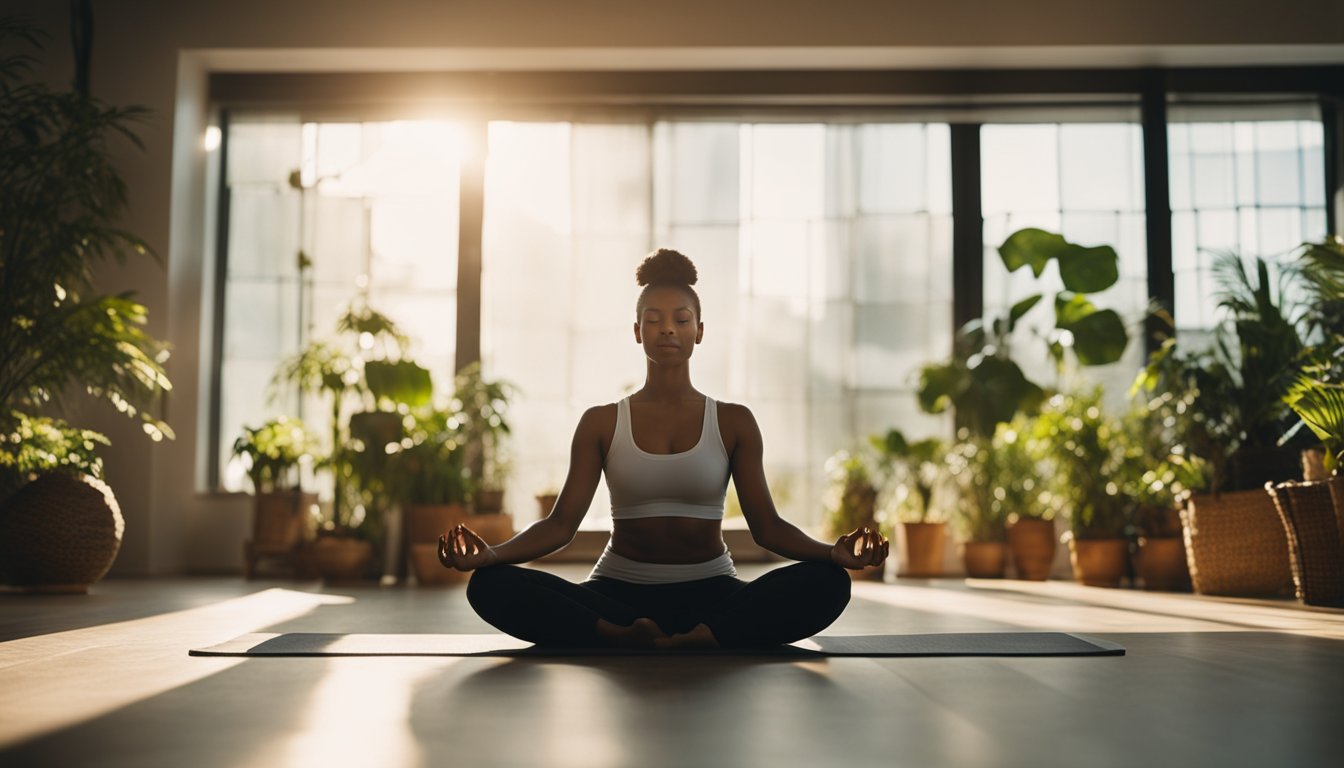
746 463
557 528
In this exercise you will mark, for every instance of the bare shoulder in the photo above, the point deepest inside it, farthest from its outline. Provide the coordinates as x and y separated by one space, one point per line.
596 427
735 415
738 428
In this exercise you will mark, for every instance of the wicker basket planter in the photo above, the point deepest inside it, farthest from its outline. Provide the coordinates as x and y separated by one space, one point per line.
1308 516
279 526
59 533
1235 544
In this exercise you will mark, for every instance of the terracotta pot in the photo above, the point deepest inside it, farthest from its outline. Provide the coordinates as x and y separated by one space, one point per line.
488 501
279 520
429 571
985 559
339 559
425 523
1032 542
495 528
922 545
1098 562
1161 564
59 533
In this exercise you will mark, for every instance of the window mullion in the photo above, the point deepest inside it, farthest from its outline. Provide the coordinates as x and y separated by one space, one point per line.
1157 206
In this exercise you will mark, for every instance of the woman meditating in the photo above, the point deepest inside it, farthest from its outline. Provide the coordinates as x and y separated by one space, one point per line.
666 578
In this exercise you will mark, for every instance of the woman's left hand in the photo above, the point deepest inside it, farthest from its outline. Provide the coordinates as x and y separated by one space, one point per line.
858 550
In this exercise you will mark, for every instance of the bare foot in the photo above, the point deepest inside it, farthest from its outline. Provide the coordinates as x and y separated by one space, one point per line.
643 633
699 636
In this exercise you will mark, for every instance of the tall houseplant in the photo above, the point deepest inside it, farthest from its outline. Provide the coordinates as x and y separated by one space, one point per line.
59 218
481 408
371 384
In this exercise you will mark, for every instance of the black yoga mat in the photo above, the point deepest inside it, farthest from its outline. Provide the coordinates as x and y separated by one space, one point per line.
947 644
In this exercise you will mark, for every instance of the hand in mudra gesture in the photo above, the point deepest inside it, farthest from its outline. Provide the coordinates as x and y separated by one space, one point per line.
462 549
858 550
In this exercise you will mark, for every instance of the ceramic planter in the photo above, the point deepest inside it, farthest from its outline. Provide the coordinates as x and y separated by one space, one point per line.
1161 564
922 549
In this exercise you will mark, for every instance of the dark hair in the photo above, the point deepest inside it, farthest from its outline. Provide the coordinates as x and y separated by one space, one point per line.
666 267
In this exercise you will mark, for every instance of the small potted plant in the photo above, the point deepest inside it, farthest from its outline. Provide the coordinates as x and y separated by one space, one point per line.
480 408
1156 488
1084 451
851 499
915 469
995 481
372 385
427 476
274 456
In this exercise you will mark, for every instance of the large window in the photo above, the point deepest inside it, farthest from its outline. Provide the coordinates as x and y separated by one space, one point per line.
824 254
824 242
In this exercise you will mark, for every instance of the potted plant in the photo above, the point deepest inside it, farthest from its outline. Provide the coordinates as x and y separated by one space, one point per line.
428 478
59 218
915 468
1083 451
1156 488
274 455
996 479
1232 414
851 499
481 408
1313 511
371 384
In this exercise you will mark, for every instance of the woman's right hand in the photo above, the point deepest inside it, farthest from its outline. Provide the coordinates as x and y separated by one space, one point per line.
461 549
860 549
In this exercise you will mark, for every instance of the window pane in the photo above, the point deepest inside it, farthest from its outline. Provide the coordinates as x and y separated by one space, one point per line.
1255 187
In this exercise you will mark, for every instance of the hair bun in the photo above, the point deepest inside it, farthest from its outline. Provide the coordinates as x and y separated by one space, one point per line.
666 267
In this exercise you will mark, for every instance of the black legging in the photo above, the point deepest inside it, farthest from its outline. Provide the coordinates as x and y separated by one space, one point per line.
784 605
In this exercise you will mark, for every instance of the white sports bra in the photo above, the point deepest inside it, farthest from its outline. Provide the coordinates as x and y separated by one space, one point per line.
687 484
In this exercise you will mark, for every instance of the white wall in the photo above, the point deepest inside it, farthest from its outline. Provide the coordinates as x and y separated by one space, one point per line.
157 53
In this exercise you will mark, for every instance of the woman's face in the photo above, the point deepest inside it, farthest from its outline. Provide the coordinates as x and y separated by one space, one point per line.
667 326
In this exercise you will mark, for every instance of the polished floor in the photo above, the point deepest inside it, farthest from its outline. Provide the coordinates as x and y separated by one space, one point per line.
105 680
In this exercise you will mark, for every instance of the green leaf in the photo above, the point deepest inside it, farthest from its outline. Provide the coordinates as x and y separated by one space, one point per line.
1089 270
1099 337
400 381
1031 247
939 384
1020 309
